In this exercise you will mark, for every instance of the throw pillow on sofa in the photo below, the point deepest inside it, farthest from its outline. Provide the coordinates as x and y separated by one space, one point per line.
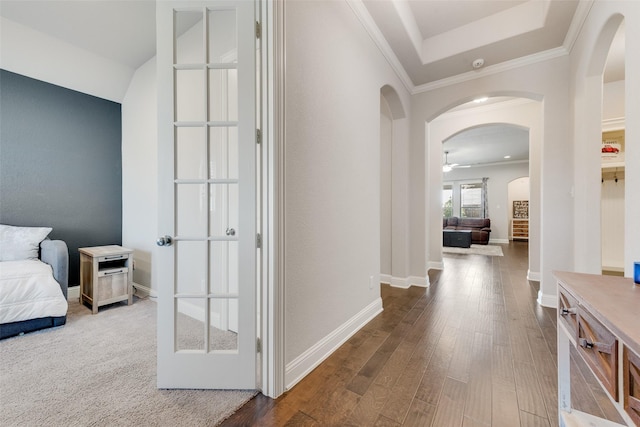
20 243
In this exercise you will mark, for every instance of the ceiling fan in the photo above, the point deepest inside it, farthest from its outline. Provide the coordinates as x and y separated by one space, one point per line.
447 166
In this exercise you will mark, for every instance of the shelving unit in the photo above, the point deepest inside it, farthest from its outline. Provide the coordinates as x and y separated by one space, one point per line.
520 229
106 275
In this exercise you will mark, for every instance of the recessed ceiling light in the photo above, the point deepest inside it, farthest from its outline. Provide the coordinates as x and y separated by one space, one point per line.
507 157
481 99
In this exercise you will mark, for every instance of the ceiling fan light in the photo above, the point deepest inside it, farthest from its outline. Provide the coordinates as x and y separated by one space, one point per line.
446 168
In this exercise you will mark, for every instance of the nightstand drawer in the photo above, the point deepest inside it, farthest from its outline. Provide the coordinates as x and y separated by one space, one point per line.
108 258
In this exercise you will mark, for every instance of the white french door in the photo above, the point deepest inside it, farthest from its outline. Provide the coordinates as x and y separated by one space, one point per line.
207 194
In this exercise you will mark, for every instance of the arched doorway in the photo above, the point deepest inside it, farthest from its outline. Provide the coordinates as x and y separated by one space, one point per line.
612 197
394 184
521 112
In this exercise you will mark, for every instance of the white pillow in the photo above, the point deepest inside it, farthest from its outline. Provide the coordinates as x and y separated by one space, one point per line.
19 243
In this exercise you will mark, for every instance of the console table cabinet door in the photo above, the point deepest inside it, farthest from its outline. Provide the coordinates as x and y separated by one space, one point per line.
632 385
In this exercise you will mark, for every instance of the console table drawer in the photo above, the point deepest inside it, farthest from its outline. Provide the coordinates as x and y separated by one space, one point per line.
599 348
567 311
631 375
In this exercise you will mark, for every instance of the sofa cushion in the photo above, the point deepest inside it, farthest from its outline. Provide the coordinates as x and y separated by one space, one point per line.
478 223
20 243
450 222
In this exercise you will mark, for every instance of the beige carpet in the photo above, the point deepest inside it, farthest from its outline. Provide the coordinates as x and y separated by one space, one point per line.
490 250
100 370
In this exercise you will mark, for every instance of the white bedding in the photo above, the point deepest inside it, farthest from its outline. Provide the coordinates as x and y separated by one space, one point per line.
29 291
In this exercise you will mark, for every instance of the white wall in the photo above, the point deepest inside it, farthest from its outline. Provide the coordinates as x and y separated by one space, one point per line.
334 74
613 101
140 172
34 54
386 136
613 223
497 192
587 63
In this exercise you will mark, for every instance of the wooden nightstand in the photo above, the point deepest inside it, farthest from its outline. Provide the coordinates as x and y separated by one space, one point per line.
106 275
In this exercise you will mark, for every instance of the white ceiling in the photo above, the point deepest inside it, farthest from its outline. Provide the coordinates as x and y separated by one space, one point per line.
432 40
488 145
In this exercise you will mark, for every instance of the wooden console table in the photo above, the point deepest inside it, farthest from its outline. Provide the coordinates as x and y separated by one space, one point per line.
600 316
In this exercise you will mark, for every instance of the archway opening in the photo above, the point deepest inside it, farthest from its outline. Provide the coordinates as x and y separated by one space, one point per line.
520 115
612 152
394 201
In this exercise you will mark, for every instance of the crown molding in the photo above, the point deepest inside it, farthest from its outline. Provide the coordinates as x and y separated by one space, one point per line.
613 124
579 17
493 69
363 15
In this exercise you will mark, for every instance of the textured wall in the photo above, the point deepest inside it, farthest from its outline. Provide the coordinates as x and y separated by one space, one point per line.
60 163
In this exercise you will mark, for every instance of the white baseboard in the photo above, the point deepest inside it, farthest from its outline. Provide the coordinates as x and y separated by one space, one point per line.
422 282
547 300
144 291
534 276
298 368
73 293
405 283
400 282
435 265
499 241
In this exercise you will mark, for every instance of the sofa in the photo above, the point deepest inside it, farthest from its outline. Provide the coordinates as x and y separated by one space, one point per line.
480 228
34 278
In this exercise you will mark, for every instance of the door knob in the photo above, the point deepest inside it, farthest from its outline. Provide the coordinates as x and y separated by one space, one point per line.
231 232
164 241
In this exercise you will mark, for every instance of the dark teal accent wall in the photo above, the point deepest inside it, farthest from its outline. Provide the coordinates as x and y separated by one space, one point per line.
60 163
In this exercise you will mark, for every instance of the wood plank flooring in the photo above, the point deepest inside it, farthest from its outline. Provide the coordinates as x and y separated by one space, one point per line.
473 349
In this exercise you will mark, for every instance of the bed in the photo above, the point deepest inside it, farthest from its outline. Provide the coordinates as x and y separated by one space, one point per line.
33 280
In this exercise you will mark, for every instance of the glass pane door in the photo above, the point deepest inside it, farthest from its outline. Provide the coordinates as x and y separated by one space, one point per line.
206 74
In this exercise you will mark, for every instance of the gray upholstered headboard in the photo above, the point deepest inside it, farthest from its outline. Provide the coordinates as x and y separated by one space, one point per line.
56 254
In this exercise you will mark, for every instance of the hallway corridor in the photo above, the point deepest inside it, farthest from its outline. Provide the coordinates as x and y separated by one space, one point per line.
474 349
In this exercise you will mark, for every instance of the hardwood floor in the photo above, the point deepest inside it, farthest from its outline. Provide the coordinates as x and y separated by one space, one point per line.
473 349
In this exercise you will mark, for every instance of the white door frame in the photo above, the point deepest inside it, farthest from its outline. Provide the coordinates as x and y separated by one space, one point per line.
273 225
